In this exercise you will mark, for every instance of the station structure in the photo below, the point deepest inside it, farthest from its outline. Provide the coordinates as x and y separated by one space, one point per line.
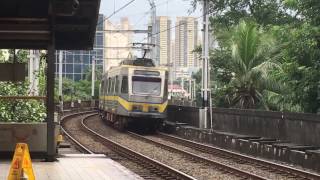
70 25
49 25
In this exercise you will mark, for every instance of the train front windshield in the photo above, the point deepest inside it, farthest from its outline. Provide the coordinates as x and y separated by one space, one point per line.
146 85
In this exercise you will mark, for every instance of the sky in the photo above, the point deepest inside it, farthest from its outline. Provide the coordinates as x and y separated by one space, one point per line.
138 12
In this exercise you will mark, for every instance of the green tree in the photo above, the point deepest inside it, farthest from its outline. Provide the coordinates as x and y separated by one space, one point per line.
16 110
254 55
227 13
295 25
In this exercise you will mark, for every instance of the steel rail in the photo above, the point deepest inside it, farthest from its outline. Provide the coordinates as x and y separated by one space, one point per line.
229 154
220 166
67 133
161 169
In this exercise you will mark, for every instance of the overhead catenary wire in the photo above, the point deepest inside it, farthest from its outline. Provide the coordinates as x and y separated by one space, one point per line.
156 6
115 12
170 28
167 29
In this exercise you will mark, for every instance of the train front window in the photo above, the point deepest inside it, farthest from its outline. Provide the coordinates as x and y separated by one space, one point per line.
146 85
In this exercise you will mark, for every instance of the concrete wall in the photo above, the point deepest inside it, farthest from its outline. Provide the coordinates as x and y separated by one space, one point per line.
76 105
184 114
300 128
35 134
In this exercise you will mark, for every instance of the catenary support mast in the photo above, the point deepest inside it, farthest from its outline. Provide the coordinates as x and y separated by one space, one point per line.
205 68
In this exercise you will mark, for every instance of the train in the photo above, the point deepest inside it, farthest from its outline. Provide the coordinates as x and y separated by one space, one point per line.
134 94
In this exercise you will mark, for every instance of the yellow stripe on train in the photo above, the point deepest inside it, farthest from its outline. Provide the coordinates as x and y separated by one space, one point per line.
128 105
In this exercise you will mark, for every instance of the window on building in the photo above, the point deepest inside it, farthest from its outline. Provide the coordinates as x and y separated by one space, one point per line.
86 58
69 58
77 77
77 58
77 68
99 40
70 76
69 68
64 68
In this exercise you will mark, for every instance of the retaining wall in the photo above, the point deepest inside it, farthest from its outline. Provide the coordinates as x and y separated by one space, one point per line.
300 128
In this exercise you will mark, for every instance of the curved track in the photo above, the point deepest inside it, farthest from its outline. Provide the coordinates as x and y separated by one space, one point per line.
67 133
158 170
227 162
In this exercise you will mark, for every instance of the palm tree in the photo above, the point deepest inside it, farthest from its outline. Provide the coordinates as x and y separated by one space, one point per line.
254 54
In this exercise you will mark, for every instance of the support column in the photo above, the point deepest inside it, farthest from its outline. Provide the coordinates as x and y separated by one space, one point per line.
60 82
93 78
51 151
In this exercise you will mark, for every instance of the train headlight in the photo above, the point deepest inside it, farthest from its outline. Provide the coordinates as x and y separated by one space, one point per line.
137 108
153 109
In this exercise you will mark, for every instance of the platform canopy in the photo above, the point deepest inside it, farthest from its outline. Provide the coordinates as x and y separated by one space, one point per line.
31 24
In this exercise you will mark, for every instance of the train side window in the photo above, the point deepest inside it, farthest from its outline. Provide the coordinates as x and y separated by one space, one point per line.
124 85
117 85
101 88
113 85
106 87
165 93
109 85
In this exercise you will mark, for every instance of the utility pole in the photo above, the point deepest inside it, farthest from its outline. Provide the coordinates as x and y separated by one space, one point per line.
36 68
153 29
190 89
93 81
318 98
194 90
205 68
171 79
182 83
30 72
60 81
33 71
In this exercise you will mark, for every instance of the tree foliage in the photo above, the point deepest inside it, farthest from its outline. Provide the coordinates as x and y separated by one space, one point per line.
19 110
252 60
295 25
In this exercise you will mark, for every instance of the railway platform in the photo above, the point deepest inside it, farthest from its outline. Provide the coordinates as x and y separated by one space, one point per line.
76 167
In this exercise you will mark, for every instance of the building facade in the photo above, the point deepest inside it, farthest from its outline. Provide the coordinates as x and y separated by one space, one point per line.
163 39
77 64
186 40
117 44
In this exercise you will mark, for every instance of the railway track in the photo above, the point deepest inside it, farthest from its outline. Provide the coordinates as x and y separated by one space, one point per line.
202 155
197 168
285 172
156 170
68 134
222 167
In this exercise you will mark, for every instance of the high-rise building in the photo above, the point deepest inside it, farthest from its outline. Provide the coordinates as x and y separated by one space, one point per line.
77 64
172 60
117 44
186 40
163 39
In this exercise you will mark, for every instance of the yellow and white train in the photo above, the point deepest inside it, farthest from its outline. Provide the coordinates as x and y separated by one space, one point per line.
134 94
